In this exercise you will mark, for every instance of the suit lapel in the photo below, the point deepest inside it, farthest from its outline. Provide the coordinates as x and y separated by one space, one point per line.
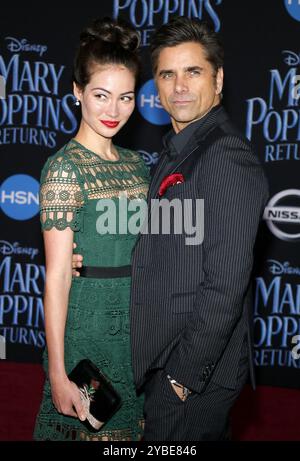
169 165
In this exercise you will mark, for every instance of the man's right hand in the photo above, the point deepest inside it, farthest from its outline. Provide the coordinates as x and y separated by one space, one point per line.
76 262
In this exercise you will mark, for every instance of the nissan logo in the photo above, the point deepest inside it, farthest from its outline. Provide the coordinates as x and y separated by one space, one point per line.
277 215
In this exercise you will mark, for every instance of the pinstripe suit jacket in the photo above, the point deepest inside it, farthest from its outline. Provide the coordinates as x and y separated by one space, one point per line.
191 304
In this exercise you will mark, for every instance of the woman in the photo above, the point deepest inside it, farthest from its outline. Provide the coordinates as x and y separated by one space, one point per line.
88 317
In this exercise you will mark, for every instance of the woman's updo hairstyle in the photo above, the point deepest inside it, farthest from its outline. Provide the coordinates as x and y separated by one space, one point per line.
106 41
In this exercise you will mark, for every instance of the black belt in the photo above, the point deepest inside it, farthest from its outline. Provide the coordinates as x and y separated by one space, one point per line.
105 272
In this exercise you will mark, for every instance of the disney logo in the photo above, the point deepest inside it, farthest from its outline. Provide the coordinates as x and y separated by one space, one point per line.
150 159
16 45
7 249
277 268
291 59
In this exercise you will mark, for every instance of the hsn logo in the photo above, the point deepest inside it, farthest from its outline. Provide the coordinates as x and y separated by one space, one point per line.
293 8
149 105
19 197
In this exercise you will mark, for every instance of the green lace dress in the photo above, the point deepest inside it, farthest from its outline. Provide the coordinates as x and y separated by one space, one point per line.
74 183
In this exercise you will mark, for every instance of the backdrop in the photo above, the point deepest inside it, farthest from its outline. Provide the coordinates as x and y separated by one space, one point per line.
38 116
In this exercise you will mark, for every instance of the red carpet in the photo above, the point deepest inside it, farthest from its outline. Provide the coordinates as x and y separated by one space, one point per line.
269 413
20 395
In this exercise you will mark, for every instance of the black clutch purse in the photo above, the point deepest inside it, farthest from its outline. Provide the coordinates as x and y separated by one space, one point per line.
98 396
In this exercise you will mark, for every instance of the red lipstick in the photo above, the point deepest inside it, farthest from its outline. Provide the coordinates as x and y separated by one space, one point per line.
110 123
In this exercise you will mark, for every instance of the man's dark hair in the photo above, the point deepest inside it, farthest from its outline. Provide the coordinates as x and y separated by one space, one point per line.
181 30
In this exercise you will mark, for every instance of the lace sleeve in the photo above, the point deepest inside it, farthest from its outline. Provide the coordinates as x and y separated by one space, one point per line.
61 195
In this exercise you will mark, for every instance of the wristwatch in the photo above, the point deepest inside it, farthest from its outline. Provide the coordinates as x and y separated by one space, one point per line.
185 391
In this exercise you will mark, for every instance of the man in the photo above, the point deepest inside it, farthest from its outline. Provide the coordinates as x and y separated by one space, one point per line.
191 304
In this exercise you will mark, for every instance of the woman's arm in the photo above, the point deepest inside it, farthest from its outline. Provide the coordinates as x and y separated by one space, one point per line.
58 251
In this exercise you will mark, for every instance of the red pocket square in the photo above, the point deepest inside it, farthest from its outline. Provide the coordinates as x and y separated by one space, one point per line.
171 180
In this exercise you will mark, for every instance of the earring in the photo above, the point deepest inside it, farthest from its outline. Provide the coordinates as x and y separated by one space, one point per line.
77 102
